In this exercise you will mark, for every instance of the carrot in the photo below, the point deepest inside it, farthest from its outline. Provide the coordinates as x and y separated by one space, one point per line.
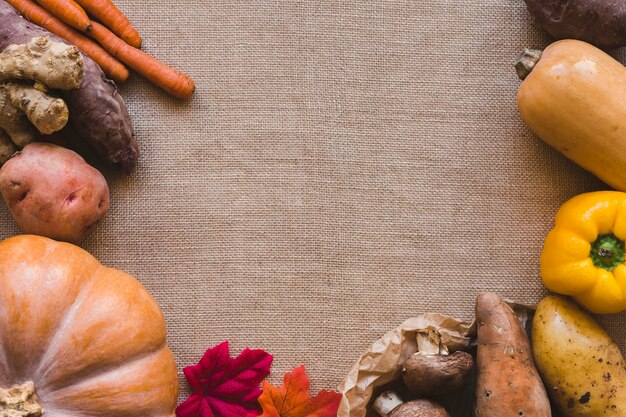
173 81
69 12
507 382
110 16
38 15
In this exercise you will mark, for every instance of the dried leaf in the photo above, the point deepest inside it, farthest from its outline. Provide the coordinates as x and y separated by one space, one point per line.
223 386
292 398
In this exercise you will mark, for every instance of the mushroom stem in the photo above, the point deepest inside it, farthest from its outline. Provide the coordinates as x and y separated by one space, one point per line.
429 343
386 402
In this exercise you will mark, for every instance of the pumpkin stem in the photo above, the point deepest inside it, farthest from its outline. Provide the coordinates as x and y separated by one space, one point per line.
526 62
20 401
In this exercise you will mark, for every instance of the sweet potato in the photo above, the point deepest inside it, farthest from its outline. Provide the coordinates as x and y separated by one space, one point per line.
51 191
599 22
98 113
508 383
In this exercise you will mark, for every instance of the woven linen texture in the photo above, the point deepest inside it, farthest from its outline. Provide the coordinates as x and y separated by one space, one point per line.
342 166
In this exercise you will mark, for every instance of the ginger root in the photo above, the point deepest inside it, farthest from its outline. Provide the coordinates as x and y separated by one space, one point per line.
25 109
21 105
54 64
48 114
7 147
15 123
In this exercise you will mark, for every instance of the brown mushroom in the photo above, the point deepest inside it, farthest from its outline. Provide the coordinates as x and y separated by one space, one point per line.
389 404
432 371
431 375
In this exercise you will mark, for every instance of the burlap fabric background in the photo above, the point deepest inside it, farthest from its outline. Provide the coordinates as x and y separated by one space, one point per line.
343 165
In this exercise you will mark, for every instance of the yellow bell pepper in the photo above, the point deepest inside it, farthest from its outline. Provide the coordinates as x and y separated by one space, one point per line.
583 256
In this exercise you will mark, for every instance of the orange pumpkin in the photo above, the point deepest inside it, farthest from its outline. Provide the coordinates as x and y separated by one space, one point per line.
89 338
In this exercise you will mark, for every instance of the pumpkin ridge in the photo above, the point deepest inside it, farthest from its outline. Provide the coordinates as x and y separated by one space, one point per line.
40 374
103 290
17 253
5 378
84 377
120 386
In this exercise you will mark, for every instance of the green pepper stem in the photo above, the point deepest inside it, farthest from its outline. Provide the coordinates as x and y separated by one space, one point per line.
607 252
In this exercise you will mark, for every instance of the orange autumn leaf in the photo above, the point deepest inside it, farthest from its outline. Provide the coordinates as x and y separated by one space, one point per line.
292 398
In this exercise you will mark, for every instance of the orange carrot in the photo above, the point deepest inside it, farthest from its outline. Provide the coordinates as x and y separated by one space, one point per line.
38 15
69 12
173 81
110 16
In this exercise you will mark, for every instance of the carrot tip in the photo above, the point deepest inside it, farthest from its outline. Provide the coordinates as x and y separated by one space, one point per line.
89 28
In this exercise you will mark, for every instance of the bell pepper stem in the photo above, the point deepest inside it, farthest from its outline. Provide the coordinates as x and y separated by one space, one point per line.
607 252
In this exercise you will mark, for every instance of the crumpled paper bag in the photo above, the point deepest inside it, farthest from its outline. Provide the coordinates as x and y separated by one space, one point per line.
382 363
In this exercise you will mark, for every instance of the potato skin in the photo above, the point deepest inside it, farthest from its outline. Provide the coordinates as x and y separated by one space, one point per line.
507 383
599 22
582 367
98 113
51 191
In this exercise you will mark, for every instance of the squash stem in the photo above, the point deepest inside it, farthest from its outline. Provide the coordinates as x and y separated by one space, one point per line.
526 62
20 401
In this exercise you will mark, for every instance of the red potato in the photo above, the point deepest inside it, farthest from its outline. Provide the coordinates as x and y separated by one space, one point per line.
51 191
507 383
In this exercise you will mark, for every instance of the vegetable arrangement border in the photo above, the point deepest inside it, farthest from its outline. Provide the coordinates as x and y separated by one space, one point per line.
61 355
571 96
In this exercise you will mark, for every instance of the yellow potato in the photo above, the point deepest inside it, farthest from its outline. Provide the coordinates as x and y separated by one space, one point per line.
583 369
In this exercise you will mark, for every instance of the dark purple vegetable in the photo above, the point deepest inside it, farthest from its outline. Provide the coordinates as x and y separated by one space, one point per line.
599 22
97 112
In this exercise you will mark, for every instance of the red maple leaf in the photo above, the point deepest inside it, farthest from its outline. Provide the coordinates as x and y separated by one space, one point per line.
223 386
293 400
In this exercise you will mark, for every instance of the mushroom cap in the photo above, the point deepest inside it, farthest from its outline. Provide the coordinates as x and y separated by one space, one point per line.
433 375
419 408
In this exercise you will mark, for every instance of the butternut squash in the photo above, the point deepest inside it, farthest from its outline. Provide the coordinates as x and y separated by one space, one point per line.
574 98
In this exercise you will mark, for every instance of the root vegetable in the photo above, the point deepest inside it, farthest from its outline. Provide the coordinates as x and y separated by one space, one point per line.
54 64
15 123
51 191
169 79
47 114
580 364
69 12
40 16
97 112
7 147
599 22
507 382
110 16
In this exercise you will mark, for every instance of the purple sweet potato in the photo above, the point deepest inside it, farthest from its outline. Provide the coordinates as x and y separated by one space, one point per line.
98 113
599 22
51 191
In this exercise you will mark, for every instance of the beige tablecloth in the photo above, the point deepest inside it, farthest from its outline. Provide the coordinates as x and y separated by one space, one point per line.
343 165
